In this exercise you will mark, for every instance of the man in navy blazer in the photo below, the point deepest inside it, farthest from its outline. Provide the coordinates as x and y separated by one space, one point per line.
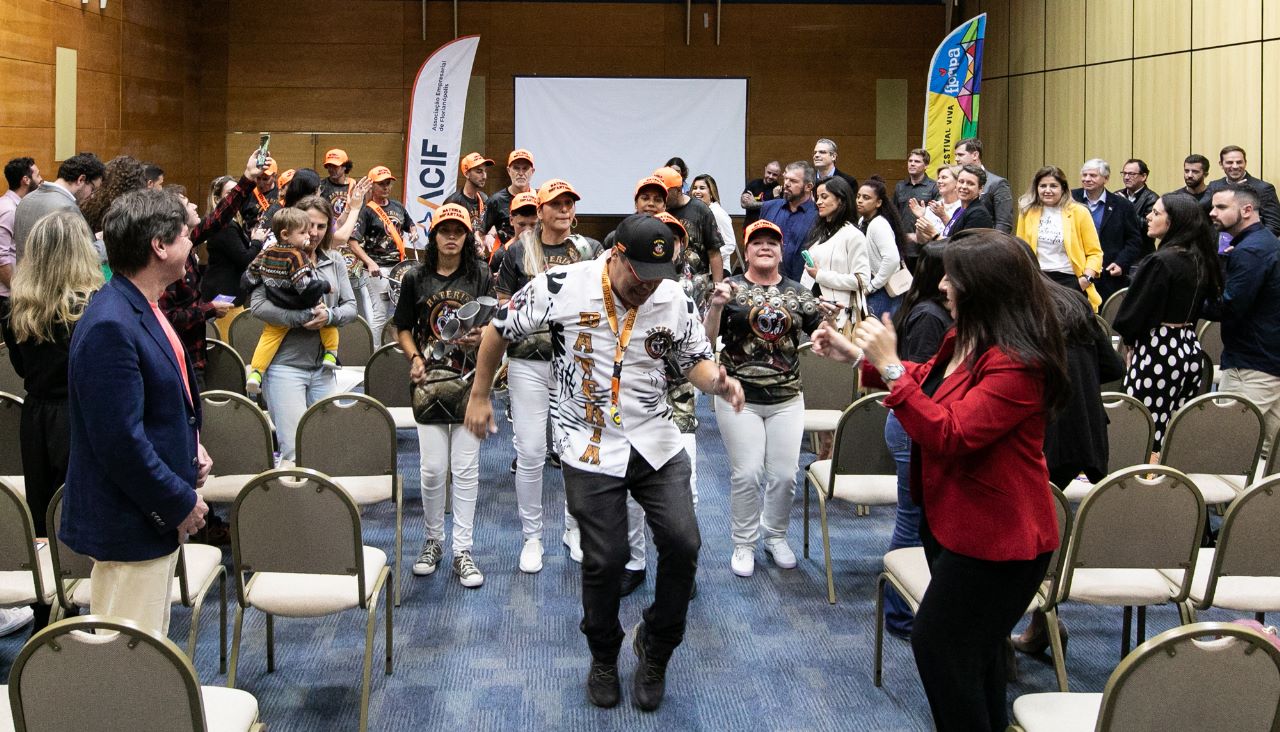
1117 227
135 460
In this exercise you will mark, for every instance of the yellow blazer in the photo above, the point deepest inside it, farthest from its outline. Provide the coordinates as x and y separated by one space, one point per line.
1079 239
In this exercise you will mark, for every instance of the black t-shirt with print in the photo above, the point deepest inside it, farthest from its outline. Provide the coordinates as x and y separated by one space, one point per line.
513 276
335 194
477 206
704 235
761 338
251 211
372 234
762 192
427 302
497 214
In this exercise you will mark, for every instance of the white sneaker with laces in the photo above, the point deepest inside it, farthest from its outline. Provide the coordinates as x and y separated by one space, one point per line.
744 560
531 556
468 573
429 559
573 539
778 548
13 619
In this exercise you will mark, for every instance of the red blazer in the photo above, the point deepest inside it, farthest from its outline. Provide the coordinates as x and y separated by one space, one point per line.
977 454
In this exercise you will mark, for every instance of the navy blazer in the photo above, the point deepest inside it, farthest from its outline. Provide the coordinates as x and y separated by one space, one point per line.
132 469
1119 235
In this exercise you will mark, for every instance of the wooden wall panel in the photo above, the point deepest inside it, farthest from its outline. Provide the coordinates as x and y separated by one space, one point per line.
1216 22
993 124
1109 30
1161 123
1108 117
996 49
1268 166
1026 129
1064 93
1220 114
1161 26
1064 34
1271 20
1027 36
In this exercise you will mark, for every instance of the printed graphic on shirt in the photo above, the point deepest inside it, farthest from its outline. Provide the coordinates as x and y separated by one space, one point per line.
372 234
762 329
336 195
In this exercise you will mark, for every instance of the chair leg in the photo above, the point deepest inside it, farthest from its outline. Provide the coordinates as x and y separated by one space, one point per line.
367 674
235 646
1260 617
878 663
194 633
1142 625
806 517
826 550
271 643
222 623
1128 628
389 626
1055 642
396 578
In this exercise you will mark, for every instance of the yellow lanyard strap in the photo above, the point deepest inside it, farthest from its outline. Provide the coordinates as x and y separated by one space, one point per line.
620 350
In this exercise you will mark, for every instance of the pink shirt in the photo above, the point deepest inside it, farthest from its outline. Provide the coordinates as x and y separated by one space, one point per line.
176 345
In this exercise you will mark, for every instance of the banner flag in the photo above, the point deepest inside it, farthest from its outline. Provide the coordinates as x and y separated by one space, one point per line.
955 85
436 110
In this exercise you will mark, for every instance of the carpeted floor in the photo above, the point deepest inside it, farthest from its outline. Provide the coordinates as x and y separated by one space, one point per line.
765 652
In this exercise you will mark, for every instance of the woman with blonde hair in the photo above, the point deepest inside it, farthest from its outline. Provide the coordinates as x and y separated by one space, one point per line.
1060 232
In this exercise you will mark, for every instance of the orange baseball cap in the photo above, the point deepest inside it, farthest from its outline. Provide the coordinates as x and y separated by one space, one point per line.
761 225
474 160
520 154
669 176
651 181
336 157
521 200
672 222
287 176
451 212
556 187
379 173
270 168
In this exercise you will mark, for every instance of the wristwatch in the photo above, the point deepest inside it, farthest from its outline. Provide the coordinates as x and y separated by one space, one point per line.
894 371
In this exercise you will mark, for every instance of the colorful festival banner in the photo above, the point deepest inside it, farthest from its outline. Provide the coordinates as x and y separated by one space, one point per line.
432 154
955 85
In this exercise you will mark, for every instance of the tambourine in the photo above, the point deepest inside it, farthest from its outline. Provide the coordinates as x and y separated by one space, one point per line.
394 276
794 301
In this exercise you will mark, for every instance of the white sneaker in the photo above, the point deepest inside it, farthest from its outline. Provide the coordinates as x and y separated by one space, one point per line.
781 552
744 560
531 556
13 619
573 539
429 559
465 567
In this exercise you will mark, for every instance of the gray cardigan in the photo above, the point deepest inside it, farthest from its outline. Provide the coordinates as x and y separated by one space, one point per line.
301 348
36 205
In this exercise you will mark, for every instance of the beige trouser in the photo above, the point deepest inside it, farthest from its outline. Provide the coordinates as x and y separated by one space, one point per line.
136 591
1262 389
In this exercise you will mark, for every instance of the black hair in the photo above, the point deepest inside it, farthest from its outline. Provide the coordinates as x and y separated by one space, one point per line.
136 218
17 169
152 172
305 182
678 164
930 267
1142 165
887 209
1197 159
86 164
846 212
470 258
1190 230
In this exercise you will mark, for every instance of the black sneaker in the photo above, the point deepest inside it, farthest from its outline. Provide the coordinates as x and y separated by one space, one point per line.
603 688
513 465
650 682
554 459
631 580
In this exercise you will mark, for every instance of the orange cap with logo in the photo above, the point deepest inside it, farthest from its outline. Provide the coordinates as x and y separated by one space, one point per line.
379 173
287 176
761 225
519 154
473 161
672 222
652 181
669 176
451 212
521 200
270 168
336 157
555 187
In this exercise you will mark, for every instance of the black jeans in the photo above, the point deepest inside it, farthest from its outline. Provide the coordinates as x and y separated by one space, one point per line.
960 630
45 440
599 502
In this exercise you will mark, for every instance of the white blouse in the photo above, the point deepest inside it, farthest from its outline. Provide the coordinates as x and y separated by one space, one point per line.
883 252
840 260
1050 246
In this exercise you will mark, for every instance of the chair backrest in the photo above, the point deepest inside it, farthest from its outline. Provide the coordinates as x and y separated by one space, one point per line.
18 552
1062 511
70 678
9 380
244 333
323 523
1210 337
355 343
1206 375
1217 433
1111 307
1130 431
68 564
10 429
1273 458
347 435
236 433
859 447
386 377
826 383
1144 517
224 369
211 330
1248 543
1221 676
1104 325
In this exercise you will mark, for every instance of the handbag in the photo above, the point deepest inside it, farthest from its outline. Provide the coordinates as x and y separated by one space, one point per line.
442 396
899 282
857 308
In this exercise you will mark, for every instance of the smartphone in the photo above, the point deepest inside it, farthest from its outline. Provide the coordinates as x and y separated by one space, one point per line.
807 259
224 299
264 142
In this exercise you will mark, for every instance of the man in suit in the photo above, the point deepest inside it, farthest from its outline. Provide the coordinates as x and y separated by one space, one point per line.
1142 198
996 193
135 459
1116 223
1235 167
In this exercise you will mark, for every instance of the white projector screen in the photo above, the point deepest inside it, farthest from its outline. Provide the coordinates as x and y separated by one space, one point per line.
604 134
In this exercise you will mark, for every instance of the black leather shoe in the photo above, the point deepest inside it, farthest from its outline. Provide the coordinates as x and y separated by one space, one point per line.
631 579
693 593
650 682
603 687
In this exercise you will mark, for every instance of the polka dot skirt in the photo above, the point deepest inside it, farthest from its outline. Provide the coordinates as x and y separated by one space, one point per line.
1164 373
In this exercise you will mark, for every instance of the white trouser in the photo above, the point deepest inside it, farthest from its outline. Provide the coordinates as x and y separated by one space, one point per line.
379 293
136 591
1262 389
635 514
763 445
529 388
446 448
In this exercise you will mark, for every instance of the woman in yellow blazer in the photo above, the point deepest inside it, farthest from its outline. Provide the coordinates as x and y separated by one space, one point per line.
1061 233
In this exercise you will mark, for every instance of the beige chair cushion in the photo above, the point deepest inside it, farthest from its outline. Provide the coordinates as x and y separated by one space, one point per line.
1120 587
313 595
1218 488
1076 490
366 489
821 420
19 588
6 713
1057 712
223 488
349 377
228 710
1247 594
403 417
870 490
18 483
910 568
202 564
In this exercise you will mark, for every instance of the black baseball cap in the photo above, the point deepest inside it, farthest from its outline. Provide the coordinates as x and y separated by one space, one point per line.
647 244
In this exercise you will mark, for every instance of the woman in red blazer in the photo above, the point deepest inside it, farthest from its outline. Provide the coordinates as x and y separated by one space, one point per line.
976 416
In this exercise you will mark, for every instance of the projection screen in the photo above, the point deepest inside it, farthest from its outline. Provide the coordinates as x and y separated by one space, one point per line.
604 134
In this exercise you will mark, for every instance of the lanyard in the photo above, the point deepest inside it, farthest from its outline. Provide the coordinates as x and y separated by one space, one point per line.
262 200
390 227
946 231
620 350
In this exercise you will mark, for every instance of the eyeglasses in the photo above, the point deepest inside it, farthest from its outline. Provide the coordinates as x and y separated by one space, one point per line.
1127 174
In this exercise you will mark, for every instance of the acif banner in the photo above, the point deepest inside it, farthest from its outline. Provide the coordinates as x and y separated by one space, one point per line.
955 83
432 154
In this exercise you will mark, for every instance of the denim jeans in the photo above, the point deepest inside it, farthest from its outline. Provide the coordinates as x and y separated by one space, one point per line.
879 302
289 390
906 524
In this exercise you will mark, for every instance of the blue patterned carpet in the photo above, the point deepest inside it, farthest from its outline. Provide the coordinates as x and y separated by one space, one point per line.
765 652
